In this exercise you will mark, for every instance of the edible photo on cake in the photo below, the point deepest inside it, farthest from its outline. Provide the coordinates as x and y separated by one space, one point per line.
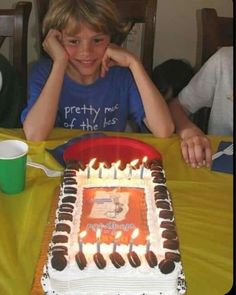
114 209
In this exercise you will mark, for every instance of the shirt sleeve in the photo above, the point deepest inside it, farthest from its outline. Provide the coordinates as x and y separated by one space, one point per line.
200 90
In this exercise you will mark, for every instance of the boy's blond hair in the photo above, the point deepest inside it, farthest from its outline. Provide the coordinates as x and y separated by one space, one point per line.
101 15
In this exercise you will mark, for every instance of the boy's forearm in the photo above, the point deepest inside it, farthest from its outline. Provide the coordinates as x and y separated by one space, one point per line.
41 118
156 110
183 125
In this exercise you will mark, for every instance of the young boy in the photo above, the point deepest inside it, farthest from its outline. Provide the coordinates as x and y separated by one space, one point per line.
90 83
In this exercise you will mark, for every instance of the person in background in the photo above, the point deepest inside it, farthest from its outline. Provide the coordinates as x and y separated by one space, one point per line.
11 95
0 80
89 82
211 86
172 76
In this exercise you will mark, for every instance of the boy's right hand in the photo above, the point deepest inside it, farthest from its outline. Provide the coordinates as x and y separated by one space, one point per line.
196 148
52 44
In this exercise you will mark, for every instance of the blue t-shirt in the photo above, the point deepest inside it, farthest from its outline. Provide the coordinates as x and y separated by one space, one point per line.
106 104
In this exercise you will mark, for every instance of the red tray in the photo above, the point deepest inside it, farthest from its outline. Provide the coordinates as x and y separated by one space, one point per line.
110 149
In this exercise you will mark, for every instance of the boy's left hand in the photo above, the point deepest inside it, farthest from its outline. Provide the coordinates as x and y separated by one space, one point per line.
116 55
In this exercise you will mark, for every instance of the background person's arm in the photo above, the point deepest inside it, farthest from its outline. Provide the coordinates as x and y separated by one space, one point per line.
195 146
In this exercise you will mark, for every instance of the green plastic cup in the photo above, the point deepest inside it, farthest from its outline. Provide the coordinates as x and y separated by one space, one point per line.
13 155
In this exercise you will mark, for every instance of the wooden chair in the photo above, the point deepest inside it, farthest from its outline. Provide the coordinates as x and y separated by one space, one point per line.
214 32
144 12
14 25
42 7
133 11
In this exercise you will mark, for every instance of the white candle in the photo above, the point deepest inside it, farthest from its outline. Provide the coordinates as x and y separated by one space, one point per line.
134 235
131 165
100 170
142 167
98 236
148 244
130 170
90 164
117 236
116 166
81 236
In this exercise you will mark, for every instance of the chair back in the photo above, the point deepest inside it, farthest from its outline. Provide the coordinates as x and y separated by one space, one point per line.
133 11
216 31
14 25
42 7
141 12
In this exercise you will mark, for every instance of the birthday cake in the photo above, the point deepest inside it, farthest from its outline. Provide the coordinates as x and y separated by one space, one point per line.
115 233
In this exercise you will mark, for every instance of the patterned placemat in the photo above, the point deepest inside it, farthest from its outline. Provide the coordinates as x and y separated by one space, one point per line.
37 287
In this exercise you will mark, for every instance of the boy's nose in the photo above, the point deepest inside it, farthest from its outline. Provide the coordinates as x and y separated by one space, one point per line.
86 47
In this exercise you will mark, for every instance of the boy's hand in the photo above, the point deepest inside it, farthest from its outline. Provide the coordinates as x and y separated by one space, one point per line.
196 149
52 44
116 55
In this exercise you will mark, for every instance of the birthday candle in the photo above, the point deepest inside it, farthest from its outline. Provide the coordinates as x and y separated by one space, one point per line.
142 167
98 236
100 170
148 244
90 164
131 165
116 166
115 171
81 236
130 170
117 236
134 235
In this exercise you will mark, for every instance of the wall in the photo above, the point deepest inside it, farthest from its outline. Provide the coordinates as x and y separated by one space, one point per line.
176 28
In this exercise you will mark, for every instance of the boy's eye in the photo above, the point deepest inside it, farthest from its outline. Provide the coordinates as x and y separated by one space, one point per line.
70 41
74 41
97 40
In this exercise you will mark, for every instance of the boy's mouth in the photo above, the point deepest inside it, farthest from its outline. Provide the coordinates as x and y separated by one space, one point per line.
85 62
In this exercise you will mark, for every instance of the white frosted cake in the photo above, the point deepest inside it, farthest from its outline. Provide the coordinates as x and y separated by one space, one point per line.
115 234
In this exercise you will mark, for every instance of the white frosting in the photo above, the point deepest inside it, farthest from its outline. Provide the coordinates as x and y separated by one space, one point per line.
126 280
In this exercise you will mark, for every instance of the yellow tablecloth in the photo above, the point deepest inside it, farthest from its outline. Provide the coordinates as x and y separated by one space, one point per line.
203 205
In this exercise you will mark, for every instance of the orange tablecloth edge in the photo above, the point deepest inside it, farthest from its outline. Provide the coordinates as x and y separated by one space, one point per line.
36 286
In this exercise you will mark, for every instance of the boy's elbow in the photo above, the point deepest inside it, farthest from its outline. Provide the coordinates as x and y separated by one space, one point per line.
171 128
33 135
165 131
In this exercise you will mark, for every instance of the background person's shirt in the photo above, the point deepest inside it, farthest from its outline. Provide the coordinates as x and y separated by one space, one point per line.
212 87
105 105
0 80
11 95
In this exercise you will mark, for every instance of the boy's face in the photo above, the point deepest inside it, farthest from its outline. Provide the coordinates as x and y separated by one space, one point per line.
86 49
